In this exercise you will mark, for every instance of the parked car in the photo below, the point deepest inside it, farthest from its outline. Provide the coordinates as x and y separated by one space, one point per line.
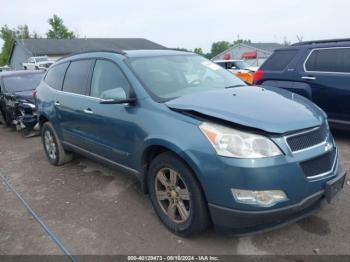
37 63
5 68
17 103
240 68
203 145
318 70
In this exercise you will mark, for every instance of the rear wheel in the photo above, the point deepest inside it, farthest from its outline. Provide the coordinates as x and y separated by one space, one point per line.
177 196
53 148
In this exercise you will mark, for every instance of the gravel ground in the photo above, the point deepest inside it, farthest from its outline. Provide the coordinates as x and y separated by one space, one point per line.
95 210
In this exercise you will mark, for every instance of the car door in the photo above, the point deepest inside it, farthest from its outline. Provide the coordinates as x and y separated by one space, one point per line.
69 103
327 71
109 128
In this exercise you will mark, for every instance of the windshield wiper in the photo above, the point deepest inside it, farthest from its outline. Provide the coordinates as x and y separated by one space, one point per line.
227 87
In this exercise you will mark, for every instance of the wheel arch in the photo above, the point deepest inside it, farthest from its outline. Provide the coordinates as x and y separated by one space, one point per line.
158 146
42 119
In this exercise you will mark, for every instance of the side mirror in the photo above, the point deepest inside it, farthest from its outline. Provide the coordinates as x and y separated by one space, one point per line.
116 96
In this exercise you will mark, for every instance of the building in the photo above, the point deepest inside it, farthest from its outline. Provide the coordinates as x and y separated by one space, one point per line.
253 53
22 49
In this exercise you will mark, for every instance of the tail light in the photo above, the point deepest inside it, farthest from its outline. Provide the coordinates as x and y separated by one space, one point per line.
34 93
258 75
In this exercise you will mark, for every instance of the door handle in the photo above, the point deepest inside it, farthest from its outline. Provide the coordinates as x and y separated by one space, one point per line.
88 111
57 103
308 77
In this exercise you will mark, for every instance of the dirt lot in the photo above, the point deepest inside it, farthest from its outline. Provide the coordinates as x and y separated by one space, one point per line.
95 210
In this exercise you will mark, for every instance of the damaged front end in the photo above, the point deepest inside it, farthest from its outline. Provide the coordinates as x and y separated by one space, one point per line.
23 114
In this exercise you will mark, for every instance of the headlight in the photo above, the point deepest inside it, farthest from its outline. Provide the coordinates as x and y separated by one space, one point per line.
30 105
233 143
266 198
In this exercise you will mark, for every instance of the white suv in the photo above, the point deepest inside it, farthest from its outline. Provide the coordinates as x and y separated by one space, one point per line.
37 63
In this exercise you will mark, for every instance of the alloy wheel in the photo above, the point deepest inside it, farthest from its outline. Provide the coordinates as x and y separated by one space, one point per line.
172 195
50 145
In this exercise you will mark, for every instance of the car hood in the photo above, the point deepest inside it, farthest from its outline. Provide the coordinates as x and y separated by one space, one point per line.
26 95
269 109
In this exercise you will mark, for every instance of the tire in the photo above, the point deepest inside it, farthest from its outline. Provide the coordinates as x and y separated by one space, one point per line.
53 148
197 220
25 68
36 68
6 123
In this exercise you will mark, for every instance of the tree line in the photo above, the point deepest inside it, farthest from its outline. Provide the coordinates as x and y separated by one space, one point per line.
56 30
216 48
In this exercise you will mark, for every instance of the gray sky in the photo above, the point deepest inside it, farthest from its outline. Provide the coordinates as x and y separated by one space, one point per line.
189 24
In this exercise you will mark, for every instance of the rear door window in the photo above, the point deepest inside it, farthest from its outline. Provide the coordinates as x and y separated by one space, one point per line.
279 60
335 60
55 75
77 77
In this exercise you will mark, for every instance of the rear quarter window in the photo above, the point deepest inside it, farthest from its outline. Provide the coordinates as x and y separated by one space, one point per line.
279 60
335 60
55 75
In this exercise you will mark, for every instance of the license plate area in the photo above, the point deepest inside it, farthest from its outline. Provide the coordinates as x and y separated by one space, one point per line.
334 186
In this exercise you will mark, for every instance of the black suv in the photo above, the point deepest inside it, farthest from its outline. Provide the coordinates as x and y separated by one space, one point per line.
318 70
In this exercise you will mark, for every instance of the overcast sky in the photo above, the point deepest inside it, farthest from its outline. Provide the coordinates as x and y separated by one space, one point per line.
186 23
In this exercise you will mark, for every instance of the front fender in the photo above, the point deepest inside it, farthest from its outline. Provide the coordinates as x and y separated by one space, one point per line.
171 146
176 148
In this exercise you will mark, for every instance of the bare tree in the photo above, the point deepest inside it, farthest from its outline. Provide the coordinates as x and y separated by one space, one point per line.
286 42
300 38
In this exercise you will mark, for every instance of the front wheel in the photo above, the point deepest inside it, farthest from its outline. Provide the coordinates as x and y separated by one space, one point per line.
177 196
52 145
5 121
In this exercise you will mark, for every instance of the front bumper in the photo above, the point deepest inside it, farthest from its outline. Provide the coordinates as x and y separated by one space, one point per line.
239 222
29 122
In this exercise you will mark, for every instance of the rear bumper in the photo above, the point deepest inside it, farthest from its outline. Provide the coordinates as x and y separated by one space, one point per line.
238 222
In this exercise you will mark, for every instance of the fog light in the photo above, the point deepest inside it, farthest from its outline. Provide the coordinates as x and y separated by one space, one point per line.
266 198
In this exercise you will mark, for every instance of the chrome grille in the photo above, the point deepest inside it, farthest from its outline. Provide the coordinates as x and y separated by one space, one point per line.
308 139
320 165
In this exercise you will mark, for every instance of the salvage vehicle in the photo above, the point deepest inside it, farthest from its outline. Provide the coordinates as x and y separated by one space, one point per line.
37 63
318 70
205 147
17 102
239 68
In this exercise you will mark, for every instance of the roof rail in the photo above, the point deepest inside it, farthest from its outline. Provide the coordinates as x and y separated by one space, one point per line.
121 52
322 41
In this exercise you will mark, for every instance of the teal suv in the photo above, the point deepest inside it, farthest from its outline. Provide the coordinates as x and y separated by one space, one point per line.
206 148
